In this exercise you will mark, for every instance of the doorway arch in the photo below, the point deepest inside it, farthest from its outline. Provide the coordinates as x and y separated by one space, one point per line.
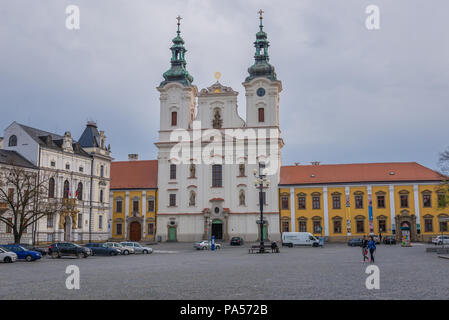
217 229
135 231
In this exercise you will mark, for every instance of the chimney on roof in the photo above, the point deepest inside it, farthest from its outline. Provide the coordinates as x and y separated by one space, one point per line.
133 157
315 163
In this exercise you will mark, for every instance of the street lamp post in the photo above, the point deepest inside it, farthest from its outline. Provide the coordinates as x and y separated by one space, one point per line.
261 182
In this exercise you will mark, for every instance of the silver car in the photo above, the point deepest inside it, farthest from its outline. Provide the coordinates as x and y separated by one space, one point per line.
123 250
138 248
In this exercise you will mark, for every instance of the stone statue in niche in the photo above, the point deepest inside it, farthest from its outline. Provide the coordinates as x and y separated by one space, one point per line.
192 170
242 198
217 122
241 170
192 198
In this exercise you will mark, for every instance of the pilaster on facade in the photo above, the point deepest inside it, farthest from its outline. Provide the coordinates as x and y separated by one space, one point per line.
326 212
144 212
126 213
348 210
292 209
392 207
416 198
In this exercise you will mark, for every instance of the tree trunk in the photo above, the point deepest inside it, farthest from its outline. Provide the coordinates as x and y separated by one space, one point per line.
17 237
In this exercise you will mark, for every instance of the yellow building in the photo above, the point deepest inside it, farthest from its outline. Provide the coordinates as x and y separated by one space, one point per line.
351 200
134 200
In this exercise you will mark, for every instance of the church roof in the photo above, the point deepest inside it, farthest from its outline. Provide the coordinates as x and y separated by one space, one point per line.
357 173
217 89
140 174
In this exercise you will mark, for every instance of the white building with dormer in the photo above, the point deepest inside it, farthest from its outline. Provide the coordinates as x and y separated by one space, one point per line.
77 172
207 153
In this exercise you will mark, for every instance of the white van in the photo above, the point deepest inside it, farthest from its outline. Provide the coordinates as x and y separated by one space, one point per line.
299 238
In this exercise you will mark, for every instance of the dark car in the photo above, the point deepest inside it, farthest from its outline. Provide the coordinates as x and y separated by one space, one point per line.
57 250
236 241
30 247
357 242
102 249
23 253
389 240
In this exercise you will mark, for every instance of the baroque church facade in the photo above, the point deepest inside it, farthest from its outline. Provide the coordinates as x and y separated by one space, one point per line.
199 197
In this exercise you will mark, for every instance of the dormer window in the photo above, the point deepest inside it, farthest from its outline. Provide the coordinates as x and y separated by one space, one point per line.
12 141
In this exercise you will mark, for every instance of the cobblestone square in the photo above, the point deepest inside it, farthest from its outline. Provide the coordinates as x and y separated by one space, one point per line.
177 271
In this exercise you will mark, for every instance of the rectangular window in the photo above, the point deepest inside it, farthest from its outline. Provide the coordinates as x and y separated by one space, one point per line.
359 202
172 200
441 200
360 226
100 222
337 226
49 237
382 226
285 203
173 171
150 205
50 220
119 206
404 201
427 200
315 202
151 228
80 220
336 202
301 202
217 180
261 115
428 225
11 194
136 208
380 202
53 164
443 226
118 229
285 226
174 118
302 226
8 227
317 227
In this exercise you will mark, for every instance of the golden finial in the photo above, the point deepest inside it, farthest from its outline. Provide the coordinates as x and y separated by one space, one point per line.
261 13
217 75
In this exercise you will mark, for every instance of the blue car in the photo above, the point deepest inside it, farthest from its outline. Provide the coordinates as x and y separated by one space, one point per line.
23 253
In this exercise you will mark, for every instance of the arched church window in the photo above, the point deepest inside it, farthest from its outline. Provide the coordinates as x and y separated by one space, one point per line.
12 141
217 176
79 191
51 188
174 118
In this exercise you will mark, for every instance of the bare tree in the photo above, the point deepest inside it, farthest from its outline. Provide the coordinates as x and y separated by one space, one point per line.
24 199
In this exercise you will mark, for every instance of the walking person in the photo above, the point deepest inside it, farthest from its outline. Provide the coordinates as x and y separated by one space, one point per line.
372 248
365 249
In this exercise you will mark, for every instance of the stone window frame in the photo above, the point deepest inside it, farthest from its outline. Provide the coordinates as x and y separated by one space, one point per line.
316 219
302 195
301 220
316 195
284 195
151 198
382 218
404 193
356 195
334 196
12 141
428 217
359 218
283 221
440 223
429 194
118 199
381 194
135 199
340 220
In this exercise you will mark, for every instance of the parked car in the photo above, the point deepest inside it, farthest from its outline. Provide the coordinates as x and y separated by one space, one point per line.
123 250
236 241
57 250
138 248
30 247
389 240
22 253
102 249
204 245
441 239
7 256
356 242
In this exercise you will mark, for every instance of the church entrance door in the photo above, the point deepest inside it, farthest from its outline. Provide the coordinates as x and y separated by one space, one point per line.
217 229
135 231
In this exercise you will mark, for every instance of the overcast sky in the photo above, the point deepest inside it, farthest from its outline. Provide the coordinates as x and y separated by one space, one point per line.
349 94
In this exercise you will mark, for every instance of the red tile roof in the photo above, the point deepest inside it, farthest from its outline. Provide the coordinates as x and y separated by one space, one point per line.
358 172
134 174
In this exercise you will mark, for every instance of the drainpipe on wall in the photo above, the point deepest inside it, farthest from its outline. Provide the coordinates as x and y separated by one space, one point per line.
90 198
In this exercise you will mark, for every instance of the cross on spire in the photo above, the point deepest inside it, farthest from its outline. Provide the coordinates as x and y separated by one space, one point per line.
179 22
261 18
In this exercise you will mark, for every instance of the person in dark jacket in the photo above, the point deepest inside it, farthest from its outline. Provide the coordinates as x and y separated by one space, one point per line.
372 248
365 249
